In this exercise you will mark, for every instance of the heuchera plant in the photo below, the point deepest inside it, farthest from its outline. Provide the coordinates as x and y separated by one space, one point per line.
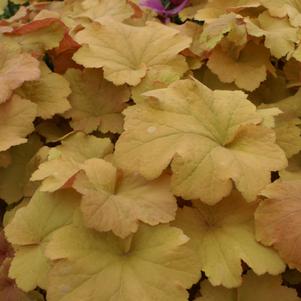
150 150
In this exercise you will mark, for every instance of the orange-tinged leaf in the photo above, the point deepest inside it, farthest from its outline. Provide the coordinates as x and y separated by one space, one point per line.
39 35
34 26
278 220
62 55
15 69
119 204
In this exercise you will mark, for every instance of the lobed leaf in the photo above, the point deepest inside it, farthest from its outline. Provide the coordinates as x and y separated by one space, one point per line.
209 137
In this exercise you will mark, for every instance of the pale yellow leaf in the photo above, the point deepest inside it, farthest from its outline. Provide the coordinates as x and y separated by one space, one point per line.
210 10
223 236
209 137
259 288
95 102
282 8
49 93
280 35
65 160
30 230
158 77
288 133
94 266
127 52
3 4
247 70
17 116
96 10
14 178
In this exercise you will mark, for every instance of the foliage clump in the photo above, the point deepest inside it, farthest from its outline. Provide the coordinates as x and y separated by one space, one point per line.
150 150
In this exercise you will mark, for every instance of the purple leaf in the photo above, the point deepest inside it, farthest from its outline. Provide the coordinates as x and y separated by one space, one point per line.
158 7
155 5
178 8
